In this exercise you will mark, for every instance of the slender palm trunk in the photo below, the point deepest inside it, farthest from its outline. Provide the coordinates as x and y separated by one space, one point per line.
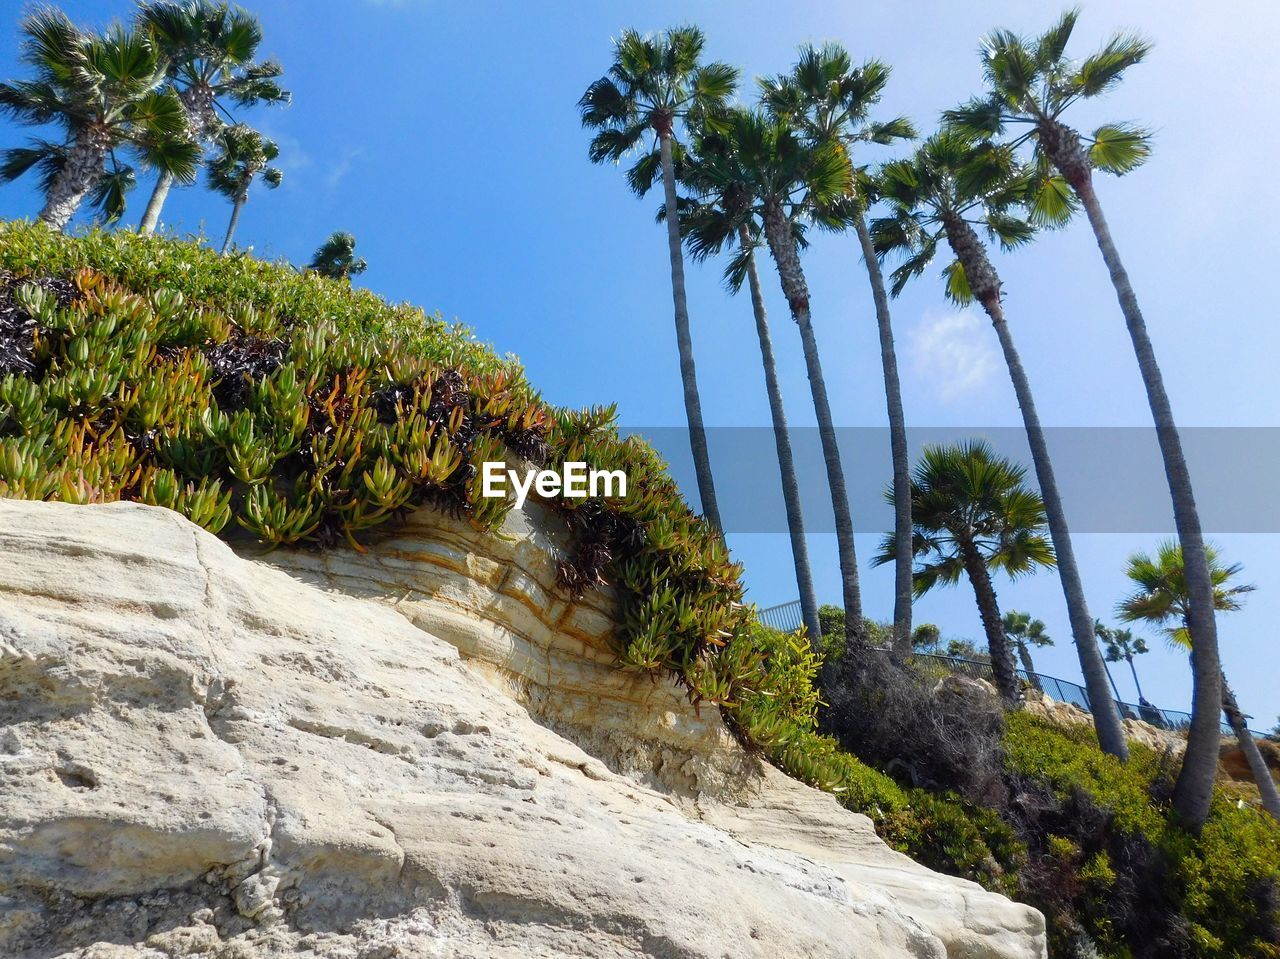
1193 791
985 283
782 440
151 216
235 220
1029 667
902 531
688 373
1136 685
1002 667
783 247
1257 765
78 176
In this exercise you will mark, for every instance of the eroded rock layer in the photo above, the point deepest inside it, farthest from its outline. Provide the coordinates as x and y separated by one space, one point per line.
201 755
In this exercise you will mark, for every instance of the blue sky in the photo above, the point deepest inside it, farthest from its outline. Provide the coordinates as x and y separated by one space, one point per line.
445 137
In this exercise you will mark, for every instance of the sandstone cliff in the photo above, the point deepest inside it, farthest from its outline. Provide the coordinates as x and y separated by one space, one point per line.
203 755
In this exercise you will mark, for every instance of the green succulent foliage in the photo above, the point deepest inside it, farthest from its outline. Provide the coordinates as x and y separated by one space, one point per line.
264 403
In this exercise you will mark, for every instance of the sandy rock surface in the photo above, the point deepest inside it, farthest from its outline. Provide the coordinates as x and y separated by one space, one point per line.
202 755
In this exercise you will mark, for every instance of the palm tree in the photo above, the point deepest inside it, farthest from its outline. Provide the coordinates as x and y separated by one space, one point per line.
49 159
336 258
243 155
106 92
1162 597
783 178
655 84
972 513
830 99
1031 84
1025 633
723 217
209 48
951 185
1121 644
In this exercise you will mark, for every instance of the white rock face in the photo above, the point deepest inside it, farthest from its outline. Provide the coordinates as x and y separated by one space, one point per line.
201 755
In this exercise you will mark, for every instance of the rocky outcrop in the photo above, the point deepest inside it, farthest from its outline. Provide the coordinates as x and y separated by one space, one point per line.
201 755
1135 730
495 598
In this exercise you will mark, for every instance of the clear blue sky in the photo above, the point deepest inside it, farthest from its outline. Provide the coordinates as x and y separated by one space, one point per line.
445 137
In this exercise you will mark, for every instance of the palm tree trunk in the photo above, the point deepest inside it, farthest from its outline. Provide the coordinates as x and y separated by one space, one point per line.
684 342
77 178
1257 765
1106 715
1193 791
1002 667
902 594
151 216
782 440
783 247
235 220
1136 685
1028 666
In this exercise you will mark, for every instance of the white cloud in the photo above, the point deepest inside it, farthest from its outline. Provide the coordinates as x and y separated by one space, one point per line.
953 352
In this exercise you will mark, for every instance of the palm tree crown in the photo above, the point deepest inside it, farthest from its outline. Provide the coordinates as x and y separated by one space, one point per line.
952 184
1161 597
832 99
243 155
747 161
105 91
210 49
654 82
1031 83
336 257
966 495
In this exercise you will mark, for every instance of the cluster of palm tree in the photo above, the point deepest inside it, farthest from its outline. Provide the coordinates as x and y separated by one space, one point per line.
740 177
158 92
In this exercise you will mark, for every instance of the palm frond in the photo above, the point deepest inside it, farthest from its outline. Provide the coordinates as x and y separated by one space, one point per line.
1119 147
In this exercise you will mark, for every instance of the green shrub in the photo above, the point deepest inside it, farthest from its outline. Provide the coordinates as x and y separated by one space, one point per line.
1139 876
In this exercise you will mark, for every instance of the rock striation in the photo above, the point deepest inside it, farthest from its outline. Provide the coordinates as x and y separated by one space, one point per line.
203 754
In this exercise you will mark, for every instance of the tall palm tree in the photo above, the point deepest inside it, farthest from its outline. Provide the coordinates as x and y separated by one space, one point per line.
952 184
209 48
336 257
784 177
1031 84
1121 644
973 513
243 155
1162 597
106 92
655 85
831 100
722 217
1025 633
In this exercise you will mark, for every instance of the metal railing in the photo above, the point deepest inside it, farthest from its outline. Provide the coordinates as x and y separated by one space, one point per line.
787 618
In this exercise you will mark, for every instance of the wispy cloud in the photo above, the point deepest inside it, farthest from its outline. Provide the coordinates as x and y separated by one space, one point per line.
953 352
340 167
